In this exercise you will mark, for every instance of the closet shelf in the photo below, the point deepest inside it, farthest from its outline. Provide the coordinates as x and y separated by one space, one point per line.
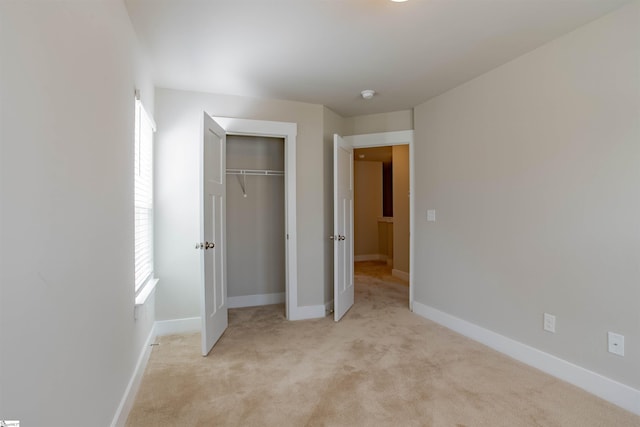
254 172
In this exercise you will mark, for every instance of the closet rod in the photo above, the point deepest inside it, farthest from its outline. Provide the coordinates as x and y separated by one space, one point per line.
254 172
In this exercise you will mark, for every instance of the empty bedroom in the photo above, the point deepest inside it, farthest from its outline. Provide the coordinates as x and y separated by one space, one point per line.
320 213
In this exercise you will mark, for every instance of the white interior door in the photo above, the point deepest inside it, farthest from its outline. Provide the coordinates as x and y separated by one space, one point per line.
212 234
343 290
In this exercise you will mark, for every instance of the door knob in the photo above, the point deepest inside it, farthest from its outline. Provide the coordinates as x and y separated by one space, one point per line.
332 237
205 245
341 237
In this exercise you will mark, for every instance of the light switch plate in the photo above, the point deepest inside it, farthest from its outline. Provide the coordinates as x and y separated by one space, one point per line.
431 215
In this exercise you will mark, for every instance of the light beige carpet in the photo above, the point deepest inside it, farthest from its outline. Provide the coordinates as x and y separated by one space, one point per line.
380 366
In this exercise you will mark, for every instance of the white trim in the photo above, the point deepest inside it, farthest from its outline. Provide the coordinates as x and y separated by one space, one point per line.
402 137
370 257
412 220
255 300
308 312
403 275
178 326
603 387
122 413
145 291
381 139
237 126
288 131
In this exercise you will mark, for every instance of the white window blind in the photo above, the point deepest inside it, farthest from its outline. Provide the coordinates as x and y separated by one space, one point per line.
143 197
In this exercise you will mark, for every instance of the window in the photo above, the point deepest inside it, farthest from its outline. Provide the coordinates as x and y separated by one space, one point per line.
143 203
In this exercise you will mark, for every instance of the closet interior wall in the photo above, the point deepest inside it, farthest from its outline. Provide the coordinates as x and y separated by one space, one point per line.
255 219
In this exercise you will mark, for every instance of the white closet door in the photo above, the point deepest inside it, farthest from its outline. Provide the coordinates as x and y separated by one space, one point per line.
212 232
343 289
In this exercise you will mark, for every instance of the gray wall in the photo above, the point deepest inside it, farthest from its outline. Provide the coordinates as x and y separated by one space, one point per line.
375 123
533 169
401 213
179 116
367 198
68 336
255 224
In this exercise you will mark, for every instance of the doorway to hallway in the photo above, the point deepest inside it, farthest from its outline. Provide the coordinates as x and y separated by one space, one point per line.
382 207
385 240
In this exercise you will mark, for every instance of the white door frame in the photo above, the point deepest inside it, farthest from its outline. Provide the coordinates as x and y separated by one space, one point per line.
287 131
383 139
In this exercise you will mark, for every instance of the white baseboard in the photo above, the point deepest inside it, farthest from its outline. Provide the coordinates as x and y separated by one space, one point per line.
307 312
400 274
178 326
617 393
122 413
254 300
370 257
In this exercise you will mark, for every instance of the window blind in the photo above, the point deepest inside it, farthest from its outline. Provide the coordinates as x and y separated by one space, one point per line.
143 196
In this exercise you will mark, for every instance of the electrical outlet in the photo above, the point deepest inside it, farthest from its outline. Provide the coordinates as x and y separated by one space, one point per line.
616 343
549 323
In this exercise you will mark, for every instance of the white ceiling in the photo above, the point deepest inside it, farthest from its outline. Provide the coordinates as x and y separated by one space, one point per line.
327 51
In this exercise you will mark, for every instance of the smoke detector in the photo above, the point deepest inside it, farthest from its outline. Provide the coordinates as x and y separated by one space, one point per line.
368 93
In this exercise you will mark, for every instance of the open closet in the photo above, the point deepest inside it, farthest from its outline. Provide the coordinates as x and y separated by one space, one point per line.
255 212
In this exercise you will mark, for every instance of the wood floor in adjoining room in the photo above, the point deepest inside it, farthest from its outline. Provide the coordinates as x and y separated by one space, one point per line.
378 270
380 366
